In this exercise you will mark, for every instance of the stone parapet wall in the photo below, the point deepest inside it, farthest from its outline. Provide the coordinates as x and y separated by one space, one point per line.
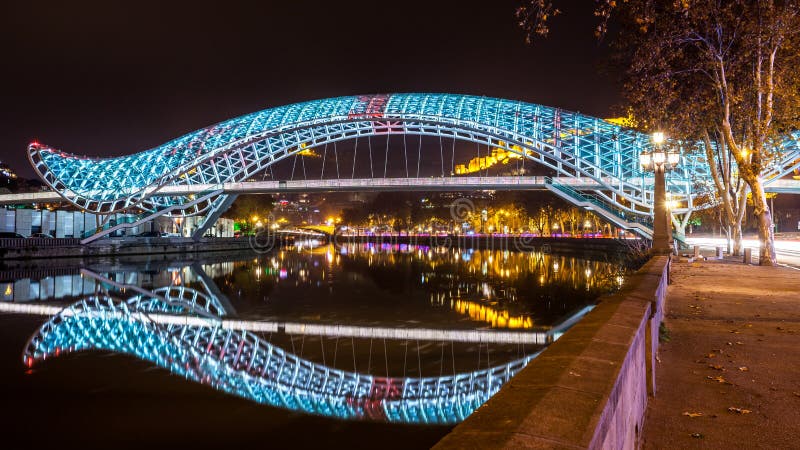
590 388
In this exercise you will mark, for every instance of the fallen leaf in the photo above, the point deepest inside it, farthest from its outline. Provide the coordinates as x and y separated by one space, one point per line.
692 414
719 379
729 343
716 367
743 369
711 355
574 374
739 410
739 343
697 435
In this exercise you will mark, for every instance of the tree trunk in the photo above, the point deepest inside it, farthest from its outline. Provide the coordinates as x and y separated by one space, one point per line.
728 233
737 238
766 237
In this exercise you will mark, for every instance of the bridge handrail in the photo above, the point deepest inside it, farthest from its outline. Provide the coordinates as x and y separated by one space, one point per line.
600 203
37 242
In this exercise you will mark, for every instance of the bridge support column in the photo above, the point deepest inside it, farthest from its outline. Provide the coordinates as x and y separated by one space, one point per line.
213 289
221 204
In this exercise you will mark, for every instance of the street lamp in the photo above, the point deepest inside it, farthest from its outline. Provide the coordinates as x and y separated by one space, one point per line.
659 160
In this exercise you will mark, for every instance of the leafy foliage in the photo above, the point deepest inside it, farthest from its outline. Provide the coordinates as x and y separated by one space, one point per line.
723 70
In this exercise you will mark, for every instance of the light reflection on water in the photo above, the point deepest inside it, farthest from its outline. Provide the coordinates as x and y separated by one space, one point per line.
406 284
399 333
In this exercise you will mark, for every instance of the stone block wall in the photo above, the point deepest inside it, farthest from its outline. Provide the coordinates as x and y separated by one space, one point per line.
590 388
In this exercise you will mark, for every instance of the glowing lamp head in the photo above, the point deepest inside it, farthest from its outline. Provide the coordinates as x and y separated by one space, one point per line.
658 138
673 158
645 160
659 158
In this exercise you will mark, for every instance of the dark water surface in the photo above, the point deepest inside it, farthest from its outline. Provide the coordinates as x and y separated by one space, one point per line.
103 398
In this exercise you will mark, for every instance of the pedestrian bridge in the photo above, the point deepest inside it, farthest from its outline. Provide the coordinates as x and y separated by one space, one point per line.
591 162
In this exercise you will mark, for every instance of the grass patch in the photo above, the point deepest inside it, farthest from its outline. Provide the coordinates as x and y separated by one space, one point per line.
663 333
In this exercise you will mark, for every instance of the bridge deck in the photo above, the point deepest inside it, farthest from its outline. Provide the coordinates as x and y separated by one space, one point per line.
369 184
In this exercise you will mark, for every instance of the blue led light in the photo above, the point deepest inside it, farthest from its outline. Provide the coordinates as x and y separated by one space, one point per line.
572 144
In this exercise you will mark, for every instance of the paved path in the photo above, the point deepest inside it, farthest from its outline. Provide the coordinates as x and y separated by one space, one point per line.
786 250
734 343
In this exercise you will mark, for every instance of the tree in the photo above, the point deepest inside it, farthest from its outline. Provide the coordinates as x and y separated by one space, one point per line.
248 206
355 216
726 69
730 187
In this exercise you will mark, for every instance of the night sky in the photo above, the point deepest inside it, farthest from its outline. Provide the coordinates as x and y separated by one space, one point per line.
108 78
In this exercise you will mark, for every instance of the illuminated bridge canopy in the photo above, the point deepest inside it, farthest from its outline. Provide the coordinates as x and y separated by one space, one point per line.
570 143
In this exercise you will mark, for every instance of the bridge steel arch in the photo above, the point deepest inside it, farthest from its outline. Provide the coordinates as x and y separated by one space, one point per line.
571 144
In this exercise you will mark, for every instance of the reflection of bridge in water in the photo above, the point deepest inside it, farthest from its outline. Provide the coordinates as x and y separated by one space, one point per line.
238 362
187 330
480 291
533 337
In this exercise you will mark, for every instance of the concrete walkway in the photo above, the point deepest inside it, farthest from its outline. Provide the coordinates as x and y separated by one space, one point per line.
729 376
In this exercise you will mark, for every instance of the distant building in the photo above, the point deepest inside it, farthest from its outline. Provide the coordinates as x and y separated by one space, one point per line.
78 224
8 179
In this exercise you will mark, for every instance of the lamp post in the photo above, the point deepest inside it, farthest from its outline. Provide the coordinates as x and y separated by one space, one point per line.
659 160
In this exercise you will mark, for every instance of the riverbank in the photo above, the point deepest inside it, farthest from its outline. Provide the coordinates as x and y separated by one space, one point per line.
729 373
561 245
590 388
588 247
121 247
13 269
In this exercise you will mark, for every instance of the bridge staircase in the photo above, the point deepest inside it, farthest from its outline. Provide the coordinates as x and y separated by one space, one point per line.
639 224
131 222
788 161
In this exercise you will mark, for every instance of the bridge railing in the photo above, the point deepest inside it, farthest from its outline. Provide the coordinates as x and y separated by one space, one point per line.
37 242
110 224
594 200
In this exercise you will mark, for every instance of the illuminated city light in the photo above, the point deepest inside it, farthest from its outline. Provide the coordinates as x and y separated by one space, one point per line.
497 318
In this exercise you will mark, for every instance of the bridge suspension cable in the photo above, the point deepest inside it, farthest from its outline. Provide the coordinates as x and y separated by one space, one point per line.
336 153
